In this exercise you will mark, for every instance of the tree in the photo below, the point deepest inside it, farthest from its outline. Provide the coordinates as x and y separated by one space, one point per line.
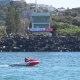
24 26
2 32
17 19
13 20
10 20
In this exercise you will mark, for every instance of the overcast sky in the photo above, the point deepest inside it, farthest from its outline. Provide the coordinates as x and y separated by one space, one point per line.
58 3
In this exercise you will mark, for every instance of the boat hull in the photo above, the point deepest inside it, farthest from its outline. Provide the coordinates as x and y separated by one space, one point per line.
29 63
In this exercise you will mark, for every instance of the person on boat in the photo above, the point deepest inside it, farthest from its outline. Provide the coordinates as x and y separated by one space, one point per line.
26 59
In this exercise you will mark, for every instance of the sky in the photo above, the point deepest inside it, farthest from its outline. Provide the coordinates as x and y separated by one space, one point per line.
58 3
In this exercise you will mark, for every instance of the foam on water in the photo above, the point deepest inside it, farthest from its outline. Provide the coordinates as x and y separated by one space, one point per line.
4 65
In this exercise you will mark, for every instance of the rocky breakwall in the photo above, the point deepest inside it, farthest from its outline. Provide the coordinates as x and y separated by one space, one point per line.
40 44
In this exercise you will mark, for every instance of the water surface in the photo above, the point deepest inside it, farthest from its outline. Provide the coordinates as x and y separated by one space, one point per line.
52 66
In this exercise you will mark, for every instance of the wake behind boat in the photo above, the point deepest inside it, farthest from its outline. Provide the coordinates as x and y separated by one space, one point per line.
31 62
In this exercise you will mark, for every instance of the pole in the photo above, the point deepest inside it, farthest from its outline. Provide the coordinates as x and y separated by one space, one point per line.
36 6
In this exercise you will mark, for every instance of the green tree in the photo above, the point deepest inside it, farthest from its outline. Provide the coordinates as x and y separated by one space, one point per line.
2 32
17 20
24 26
10 20
13 21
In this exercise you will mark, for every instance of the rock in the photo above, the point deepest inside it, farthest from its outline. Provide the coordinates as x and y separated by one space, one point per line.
40 43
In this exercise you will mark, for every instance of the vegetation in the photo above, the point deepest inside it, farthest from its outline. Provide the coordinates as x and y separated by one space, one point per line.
65 23
2 32
11 20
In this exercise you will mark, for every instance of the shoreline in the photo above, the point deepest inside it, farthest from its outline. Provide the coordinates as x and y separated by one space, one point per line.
40 44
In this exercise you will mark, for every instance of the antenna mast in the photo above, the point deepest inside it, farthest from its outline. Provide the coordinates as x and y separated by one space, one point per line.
36 6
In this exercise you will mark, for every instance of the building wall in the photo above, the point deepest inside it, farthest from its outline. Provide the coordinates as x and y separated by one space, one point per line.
41 20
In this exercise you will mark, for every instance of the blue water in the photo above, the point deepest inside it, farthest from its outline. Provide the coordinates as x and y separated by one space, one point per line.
52 66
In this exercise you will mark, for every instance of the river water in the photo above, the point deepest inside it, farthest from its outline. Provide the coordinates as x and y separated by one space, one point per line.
52 66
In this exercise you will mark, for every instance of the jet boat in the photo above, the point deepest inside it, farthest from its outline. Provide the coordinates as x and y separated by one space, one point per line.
31 62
